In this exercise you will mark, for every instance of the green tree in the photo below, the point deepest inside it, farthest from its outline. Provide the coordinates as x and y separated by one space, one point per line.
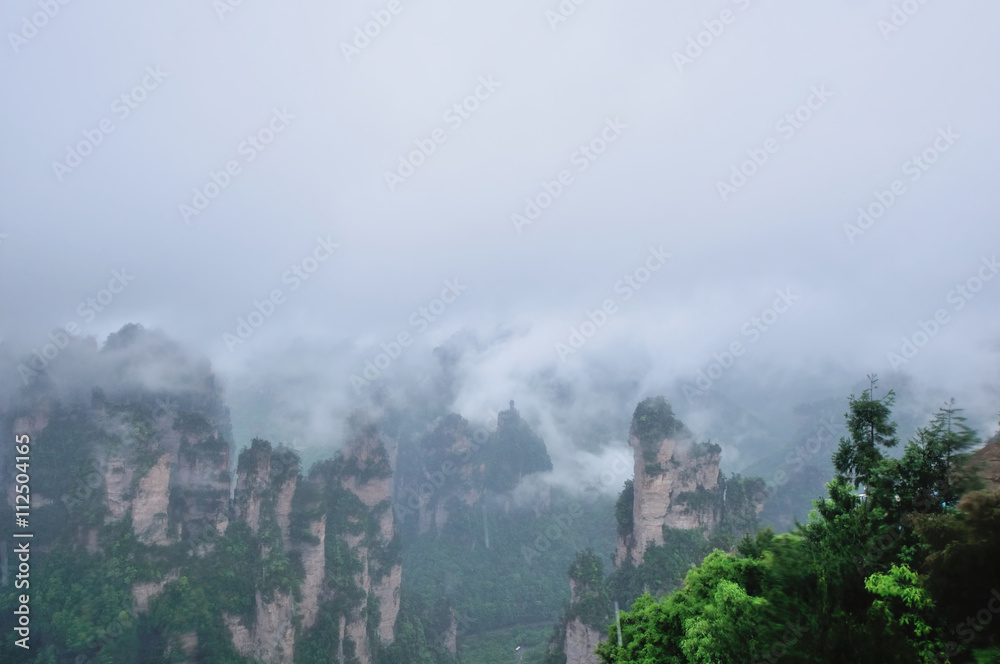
858 458
901 611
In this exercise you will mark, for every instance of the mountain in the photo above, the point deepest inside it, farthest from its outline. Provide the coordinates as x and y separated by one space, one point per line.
678 507
420 538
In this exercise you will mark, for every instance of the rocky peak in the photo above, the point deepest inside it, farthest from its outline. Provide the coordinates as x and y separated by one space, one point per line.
674 480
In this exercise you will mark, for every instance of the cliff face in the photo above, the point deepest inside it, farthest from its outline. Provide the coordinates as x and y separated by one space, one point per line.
130 447
582 637
264 481
582 627
448 469
369 462
343 603
675 480
143 440
986 463
581 641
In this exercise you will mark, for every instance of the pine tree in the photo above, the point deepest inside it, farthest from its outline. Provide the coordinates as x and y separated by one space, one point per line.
858 457
951 438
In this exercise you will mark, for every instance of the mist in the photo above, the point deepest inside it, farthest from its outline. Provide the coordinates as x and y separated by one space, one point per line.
742 206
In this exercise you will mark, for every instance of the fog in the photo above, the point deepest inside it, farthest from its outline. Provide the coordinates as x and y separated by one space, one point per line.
578 214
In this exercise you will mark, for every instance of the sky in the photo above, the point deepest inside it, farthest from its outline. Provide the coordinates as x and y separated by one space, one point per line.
814 184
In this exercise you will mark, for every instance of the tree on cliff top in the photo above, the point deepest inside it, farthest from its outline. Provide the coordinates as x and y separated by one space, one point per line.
653 421
512 452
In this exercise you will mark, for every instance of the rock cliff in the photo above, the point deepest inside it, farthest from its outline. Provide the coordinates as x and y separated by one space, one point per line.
675 480
585 622
131 465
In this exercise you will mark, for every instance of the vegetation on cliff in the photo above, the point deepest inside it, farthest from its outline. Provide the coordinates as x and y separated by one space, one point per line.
905 572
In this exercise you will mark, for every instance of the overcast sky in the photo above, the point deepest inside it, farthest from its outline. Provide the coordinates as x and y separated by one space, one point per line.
184 86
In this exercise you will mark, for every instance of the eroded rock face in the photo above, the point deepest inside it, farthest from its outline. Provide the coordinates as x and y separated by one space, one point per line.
283 508
657 494
253 481
369 461
451 636
117 485
580 629
185 488
152 500
314 564
674 480
33 423
387 591
266 481
144 592
581 641
272 637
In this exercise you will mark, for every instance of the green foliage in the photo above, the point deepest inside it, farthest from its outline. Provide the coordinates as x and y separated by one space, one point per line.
512 452
901 610
652 421
858 457
960 549
624 510
192 424
699 500
521 578
708 448
592 604
868 580
718 616
934 463
741 498
417 627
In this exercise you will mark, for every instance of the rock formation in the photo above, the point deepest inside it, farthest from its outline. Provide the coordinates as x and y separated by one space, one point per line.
138 453
584 624
675 480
